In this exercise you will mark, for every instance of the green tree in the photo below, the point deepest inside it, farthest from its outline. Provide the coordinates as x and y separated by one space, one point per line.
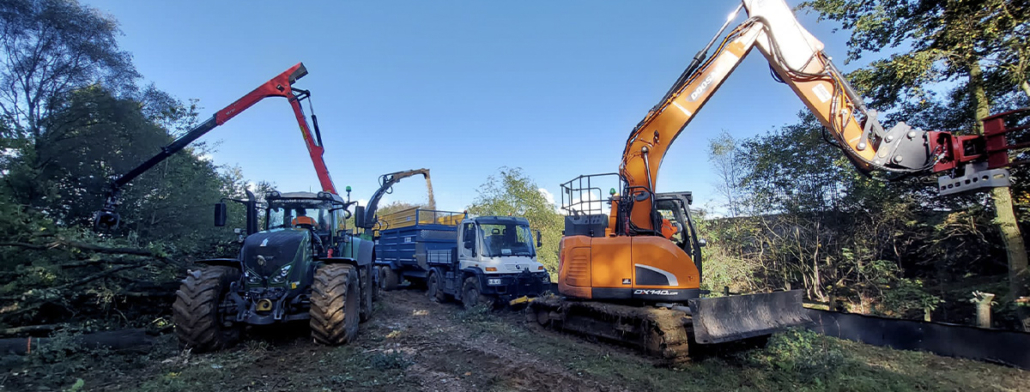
940 42
511 193
51 47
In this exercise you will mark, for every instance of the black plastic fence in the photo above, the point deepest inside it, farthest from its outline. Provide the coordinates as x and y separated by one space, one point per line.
991 345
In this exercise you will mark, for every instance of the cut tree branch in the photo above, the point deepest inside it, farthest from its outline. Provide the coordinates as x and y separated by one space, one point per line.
93 248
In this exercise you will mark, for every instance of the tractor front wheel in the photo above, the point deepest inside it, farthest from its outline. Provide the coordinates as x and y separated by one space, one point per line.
198 323
335 303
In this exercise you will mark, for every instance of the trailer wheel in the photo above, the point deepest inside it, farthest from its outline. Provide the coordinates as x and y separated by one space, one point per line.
195 311
366 293
472 295
335 303
390 279
434 292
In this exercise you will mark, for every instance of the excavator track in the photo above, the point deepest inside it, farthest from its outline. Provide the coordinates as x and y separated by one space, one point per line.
660 332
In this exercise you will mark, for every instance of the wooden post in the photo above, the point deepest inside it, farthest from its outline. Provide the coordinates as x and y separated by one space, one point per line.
983 309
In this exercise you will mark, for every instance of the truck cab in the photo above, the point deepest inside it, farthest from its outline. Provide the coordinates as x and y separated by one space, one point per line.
495 261
497 245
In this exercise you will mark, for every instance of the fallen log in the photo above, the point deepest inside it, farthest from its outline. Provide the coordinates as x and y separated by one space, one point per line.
115 340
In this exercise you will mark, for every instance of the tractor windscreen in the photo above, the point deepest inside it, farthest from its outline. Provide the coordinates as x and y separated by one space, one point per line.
315 215
507 239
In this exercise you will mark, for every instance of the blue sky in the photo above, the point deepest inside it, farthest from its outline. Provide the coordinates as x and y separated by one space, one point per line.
459 87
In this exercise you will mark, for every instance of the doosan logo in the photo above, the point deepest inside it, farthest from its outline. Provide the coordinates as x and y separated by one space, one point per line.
701 89
654 292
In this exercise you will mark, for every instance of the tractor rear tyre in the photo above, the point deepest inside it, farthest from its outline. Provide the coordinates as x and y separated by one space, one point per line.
434 288
390 279
195 311
472 295
366 292
335 303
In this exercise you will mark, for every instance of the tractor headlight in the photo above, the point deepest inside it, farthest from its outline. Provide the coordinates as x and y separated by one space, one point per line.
252 278
280 277
493 282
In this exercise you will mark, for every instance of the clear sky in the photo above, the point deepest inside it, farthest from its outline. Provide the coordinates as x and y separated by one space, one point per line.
459 87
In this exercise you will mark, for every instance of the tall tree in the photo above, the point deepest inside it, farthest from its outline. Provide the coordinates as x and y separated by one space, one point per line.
723 153
51 47
511 192
939 42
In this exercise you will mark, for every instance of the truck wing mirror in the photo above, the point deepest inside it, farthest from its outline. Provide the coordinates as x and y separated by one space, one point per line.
359 216
539 243
220 214
468 244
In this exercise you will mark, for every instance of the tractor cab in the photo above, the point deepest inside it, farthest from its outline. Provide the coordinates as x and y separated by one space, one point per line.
323 214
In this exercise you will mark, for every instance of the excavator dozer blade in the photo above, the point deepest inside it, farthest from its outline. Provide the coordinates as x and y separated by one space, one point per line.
725 319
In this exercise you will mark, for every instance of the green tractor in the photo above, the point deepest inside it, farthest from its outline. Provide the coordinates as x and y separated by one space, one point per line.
302 265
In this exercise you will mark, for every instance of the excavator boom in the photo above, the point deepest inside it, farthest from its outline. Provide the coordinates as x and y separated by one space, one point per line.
279 86
646 251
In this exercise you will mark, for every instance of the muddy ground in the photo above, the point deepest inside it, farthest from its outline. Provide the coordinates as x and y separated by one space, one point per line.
413 344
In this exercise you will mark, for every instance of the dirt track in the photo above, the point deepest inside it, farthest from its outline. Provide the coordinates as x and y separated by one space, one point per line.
415 344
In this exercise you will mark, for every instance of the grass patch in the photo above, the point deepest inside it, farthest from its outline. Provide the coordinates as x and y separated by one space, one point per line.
796 360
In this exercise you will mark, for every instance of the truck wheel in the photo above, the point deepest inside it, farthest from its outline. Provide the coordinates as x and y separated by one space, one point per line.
390 279
195 311
335 299
472 295
366 293
434 290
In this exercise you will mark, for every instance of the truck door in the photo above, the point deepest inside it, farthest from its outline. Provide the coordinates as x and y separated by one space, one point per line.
467 242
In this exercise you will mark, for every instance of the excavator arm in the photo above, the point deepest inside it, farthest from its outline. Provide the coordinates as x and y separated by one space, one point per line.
365 216
279 86
797 59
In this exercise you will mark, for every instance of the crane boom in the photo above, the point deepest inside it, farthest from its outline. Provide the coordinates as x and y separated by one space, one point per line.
365 217
279 86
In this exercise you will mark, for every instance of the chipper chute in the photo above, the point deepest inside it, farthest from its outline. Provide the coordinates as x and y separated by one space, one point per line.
724 319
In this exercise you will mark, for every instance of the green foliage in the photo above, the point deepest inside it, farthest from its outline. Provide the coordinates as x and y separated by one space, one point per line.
390 360
83 121
802 355
77 386
511 192
477 314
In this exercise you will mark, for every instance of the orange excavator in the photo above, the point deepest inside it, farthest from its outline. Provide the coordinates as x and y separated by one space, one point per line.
633 275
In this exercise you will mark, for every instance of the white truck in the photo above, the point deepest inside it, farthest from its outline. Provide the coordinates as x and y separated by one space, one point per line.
486 260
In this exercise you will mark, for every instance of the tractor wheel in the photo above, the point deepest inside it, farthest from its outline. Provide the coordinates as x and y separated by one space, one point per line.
435 288
366 293
335 303
472 295
390 279
195 311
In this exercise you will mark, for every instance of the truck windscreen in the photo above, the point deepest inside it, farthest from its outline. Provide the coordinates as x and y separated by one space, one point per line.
507 240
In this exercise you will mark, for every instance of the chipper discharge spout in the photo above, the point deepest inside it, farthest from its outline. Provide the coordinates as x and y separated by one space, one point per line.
724 319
